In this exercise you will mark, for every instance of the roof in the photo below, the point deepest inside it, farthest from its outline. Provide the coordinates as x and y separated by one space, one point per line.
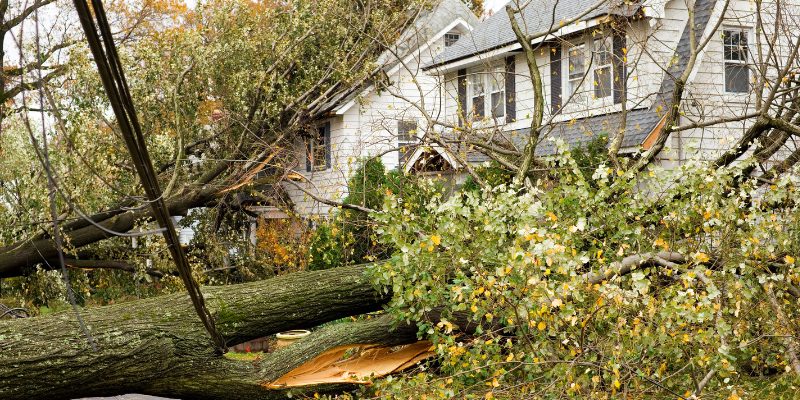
638 124
496 32
427 26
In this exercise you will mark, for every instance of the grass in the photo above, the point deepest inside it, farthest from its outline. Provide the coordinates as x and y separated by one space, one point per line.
252 356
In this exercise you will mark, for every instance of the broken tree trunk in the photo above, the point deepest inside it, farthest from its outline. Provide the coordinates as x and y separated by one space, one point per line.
158 346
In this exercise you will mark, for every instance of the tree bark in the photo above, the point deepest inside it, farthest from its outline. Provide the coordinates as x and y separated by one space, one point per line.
17 257
158 346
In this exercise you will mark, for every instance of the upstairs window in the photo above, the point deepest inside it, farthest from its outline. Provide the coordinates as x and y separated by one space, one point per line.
576 71
318 149
477 95
737 74
602 67
493 84
451 39
497 89
406 140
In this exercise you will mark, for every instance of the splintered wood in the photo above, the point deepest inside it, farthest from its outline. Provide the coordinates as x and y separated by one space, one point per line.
354 364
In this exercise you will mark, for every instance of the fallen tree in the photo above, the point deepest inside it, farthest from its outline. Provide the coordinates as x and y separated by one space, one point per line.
158 346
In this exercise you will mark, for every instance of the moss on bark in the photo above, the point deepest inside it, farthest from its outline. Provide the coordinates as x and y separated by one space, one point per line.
158 346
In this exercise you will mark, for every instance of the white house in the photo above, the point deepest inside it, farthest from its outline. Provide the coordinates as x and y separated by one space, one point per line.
603 60
377 121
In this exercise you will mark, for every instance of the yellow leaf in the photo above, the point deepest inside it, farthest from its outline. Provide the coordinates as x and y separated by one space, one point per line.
701 257
617 384
474 308
789 259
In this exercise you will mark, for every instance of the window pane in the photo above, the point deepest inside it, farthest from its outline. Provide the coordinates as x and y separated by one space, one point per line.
406 131
318 148
498 105
478 107
576 62
734 43
602 82
497 81
476 84
450 39
737 78
602 50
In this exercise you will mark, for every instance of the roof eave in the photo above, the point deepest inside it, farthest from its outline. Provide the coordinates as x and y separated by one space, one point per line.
460 62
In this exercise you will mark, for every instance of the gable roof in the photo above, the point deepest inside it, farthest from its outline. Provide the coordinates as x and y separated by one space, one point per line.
429 26
495 32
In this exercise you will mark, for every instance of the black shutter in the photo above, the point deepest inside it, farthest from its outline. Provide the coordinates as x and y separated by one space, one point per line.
461 81
555 78
308 154
620 67
327 145
511 90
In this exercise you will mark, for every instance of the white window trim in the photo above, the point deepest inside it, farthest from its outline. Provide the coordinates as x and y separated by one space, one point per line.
450 35
487 76
597 66
749 32
407 143
586 96
311 145
579 81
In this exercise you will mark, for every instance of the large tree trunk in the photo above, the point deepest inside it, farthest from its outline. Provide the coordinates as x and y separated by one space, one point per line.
158 346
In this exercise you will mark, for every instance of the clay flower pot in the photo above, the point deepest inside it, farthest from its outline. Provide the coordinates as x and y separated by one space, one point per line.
289 337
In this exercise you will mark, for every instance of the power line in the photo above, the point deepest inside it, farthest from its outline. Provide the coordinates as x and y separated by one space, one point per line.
116 87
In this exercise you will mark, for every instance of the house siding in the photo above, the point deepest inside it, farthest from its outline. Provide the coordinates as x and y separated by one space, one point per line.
369 129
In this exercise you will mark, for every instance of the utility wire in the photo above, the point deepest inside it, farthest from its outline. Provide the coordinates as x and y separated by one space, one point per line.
116 87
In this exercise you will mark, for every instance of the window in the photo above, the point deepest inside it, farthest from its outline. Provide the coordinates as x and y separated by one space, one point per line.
602 67
477 95
737 74
318 156
576 70
495 83
497 89
406 139
451 39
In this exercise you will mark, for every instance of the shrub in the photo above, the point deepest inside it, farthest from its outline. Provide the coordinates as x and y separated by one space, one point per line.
541 274
351 236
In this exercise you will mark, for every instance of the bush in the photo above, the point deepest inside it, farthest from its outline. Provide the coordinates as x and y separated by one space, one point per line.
540 273
351 236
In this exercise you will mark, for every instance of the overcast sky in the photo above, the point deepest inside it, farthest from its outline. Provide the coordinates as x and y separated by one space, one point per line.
493 5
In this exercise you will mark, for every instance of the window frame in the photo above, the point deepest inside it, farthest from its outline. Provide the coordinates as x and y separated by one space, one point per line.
313 145
574 84
406 140
745 32
451 38
608 43
492 81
